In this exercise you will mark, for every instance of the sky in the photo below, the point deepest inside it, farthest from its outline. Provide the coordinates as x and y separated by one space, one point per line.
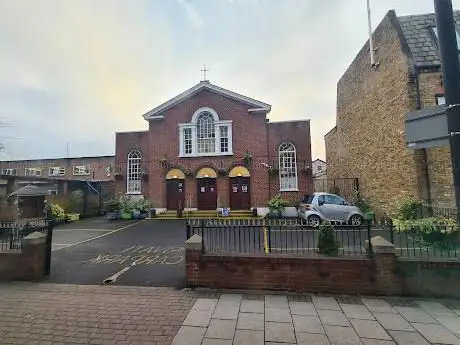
72 73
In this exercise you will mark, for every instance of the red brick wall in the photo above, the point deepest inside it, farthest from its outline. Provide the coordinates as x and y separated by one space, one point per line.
26 265
249 134
287 273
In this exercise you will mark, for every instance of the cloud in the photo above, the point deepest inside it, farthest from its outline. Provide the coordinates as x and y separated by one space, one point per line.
193 16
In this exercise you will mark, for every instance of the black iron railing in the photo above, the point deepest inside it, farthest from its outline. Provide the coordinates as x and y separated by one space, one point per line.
276 236
12 233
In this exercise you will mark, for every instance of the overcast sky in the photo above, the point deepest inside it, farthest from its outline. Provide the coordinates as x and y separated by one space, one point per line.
77 71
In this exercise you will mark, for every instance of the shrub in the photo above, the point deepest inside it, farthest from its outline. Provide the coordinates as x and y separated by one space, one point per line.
362 204
112 206
277 204
57 212
408 209
327 244
143 205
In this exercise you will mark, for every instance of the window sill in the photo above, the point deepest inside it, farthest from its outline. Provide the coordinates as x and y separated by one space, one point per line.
197 155
289 190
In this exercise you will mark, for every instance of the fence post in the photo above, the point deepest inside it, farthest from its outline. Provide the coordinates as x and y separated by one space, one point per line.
187 232
269 238
49 239
369 239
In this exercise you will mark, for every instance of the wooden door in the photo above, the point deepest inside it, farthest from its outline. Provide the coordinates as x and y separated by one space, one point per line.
175 194
207 194
240 193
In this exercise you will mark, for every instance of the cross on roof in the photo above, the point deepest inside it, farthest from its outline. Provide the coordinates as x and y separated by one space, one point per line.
204 70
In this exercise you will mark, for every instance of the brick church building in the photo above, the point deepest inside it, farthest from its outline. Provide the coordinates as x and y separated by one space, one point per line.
208 148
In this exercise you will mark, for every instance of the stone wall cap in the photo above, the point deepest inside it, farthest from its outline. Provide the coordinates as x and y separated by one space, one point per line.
195 239
379 241
34 235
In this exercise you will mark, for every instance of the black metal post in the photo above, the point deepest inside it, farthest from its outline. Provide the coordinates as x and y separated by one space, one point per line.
371 251
269 238
187 232
447 38
49 239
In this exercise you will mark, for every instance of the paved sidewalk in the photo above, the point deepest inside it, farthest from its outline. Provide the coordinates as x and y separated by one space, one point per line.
304 320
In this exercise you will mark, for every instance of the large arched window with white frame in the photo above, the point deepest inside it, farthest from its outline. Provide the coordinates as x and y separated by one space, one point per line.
205 135
287 167
133 177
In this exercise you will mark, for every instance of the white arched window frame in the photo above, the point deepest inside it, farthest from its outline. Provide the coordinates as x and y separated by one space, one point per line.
133 173
288 168
205 135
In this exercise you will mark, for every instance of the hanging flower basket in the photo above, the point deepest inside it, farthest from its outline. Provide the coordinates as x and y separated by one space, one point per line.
222 172
164 162
273 171
247 158
187 172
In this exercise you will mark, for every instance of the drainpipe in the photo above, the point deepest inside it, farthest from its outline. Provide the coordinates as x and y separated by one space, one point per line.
268 156
418 106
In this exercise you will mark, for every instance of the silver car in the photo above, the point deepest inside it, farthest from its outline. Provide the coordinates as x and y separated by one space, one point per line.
319 207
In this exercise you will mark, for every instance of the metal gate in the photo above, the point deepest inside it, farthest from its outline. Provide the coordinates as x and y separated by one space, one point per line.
344 187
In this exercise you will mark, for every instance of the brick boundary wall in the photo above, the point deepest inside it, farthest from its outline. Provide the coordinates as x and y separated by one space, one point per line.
384 274
27 264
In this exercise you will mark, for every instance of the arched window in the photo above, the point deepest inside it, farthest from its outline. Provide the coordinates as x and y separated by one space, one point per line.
287 167
133 178
206 133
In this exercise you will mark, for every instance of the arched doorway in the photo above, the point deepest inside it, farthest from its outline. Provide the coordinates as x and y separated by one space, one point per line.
240 192
207 191
175 189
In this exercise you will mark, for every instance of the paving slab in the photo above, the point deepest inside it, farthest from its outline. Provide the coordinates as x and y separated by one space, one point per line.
279 332
452 323
230 298
189 336
251 306
377 342
245 337
322 302
207 341
312 339
302 308
205 304
221 329
393 322
227 309
198 318
355 311
436 334
413 314
408 338
307 324
342 335
435 308
378 305
276 301
333 318
278 315
369 329
250 321
272 343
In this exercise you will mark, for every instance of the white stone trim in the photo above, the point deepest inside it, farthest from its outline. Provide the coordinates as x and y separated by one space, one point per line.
204 85
202 110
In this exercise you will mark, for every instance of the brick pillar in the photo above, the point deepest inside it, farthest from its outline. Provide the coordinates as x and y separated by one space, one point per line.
386 281
33 256
193 252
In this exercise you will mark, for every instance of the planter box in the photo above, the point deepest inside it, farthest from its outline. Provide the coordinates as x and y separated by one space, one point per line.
126 215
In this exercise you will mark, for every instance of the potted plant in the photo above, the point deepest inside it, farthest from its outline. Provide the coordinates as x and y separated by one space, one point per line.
247 158
143 206
277 205
222 172
272 171
188 172
126 208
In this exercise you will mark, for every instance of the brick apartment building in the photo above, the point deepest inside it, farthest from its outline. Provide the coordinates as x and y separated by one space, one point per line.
210 147
98 168
368 141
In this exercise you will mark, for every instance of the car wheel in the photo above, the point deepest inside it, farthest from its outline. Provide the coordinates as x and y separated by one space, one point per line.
356 219
314 221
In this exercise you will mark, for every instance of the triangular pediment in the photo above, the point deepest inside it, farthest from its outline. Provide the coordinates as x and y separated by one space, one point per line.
255 105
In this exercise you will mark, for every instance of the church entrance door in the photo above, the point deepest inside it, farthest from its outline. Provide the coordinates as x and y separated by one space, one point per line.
207 193
240 196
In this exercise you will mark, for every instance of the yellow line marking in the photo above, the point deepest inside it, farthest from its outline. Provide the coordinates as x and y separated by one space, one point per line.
265 241
93 230
95 238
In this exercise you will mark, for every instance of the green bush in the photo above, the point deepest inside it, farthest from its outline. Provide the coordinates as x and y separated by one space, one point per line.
428 225
327 244
362 204
112 206
57 212
143 205
408 209
277 204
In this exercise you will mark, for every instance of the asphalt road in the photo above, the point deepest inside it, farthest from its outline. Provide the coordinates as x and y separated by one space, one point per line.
89 253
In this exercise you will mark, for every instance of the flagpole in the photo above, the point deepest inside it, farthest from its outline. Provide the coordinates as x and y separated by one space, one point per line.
371 42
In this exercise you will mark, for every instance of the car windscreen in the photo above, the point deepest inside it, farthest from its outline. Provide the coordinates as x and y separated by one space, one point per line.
308 199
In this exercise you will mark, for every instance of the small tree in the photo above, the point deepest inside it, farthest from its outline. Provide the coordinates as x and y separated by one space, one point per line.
327 244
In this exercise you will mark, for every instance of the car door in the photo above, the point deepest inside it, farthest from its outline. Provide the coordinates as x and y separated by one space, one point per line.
324 208
334 207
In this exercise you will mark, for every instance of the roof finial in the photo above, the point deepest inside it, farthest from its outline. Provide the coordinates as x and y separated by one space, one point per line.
204 70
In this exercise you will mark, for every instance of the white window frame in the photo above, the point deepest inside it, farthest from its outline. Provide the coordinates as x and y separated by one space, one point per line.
33 172
289 149
9 172
52 171
192 125
81 170
133 173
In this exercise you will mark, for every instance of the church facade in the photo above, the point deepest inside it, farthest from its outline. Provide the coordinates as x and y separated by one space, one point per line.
209 148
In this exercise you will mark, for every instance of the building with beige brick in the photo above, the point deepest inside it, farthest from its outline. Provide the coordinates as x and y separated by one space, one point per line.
368 141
